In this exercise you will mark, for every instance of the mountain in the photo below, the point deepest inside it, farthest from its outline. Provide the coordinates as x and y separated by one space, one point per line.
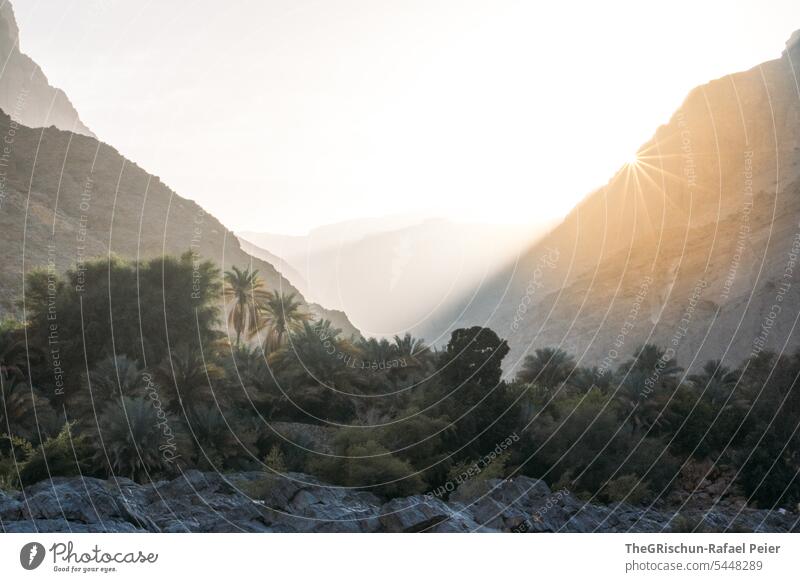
694 247
391 275
284 268
297 248
25 93
66 198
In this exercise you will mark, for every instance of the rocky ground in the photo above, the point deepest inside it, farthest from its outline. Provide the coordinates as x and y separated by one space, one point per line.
255 502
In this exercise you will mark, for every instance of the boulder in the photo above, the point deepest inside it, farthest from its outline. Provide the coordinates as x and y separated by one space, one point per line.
10 508
417 513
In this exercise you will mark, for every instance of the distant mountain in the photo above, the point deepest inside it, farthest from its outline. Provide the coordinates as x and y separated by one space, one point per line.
694 248
284 268
393 274
25 94
295 248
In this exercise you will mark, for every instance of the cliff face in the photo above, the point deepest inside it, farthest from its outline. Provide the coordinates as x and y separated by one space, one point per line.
693 248
25 93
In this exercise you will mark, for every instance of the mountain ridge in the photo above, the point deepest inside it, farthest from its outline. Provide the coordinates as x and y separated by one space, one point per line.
725 162
25 93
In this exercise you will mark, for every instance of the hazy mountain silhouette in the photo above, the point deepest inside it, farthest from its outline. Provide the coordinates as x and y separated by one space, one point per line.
297 248
391 275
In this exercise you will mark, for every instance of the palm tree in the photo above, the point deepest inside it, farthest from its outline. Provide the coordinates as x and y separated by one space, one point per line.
246 290
586 379
116 376
317 357
716 380
547 367
188 376
635 404
376 350
652 361
411 347
135 438
416 358
281 314
24 411
220 441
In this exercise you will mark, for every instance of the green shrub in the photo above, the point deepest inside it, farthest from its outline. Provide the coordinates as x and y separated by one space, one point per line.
274 459
371 467
629 488
65 455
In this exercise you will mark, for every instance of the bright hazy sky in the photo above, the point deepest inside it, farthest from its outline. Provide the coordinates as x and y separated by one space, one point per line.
281 115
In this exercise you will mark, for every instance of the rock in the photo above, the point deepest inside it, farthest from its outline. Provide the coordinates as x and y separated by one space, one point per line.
61 525
260 502
85 500
421 513
10 508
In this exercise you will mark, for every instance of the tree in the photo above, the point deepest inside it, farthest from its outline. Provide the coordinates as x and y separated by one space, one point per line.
136 439
638 406
114 377
280 314
417 358
652 362
245 290
585 379
221 441
24 411
477 402
188 376
474 355
547 367
113 307
716 382
13 359
313 374
321 356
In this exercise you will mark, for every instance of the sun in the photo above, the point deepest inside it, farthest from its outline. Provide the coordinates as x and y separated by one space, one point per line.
633 159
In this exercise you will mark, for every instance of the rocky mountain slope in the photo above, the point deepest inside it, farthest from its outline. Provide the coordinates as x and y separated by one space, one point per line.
66 198
25 93
256 502
693 247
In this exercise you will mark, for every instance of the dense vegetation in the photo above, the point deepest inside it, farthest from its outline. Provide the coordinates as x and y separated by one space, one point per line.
142 370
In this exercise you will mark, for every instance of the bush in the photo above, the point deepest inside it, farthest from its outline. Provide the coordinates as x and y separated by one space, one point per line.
64 455
371 467
14 452
274 460
629 488
136 440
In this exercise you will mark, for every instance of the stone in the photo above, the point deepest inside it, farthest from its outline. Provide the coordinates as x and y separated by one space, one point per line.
210 502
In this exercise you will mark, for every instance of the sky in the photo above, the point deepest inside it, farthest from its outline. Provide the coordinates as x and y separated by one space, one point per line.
283 115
